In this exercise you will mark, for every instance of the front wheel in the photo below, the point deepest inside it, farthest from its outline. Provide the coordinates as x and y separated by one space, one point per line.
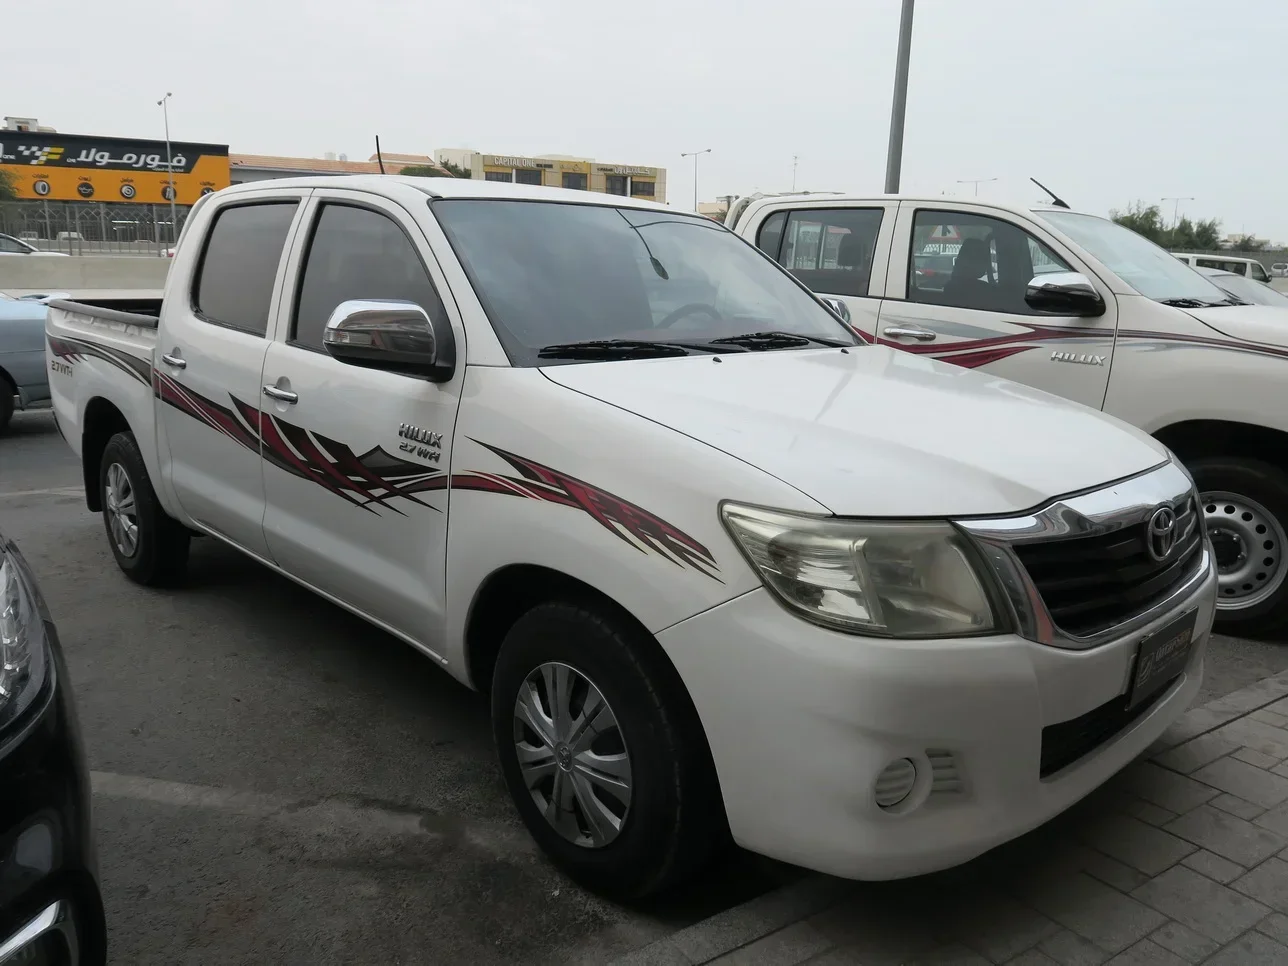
602 751
149 546
1245 507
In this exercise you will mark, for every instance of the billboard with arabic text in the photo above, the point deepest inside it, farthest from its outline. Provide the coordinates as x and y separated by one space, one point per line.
73 167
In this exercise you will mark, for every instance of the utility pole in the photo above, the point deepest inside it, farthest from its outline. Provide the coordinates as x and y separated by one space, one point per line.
695 155
894 156
976 182
169 167
1176 209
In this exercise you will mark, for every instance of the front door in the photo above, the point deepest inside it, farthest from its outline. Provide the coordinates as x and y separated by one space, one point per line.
210 358
955 291
356 459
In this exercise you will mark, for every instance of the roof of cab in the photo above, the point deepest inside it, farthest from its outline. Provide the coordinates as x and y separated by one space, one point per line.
452 188
823 200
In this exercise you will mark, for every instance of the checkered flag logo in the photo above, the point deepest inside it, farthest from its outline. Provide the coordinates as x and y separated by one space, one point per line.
34 154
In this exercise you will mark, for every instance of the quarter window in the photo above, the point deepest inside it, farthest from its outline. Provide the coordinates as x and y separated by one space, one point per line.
829 249
975 262
239 265
356 253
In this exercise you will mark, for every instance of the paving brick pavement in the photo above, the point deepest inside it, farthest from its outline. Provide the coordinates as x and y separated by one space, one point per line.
1180 860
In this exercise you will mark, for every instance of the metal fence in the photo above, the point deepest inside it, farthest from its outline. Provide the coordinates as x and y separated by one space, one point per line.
92 228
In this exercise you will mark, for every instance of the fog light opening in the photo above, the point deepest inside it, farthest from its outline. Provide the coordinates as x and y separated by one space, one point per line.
895 783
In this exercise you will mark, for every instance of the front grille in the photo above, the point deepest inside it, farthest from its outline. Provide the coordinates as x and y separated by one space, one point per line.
1066 742
1091 583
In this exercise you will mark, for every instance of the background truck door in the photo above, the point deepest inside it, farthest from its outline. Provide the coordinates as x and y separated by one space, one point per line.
211 350
356 460
955 291
837 252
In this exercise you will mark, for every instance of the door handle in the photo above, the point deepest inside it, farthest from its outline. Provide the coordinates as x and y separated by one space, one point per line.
281 395
910 332
173 360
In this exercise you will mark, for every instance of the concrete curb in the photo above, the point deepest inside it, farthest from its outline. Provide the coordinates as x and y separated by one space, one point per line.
744 924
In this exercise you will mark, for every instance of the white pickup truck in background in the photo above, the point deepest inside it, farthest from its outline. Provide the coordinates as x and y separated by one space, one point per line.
1081 307
721 566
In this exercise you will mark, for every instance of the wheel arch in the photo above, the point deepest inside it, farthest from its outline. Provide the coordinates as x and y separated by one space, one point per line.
1218 437
102 421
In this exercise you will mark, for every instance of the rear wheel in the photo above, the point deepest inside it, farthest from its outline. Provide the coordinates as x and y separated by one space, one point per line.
1245 507
149 545
602 751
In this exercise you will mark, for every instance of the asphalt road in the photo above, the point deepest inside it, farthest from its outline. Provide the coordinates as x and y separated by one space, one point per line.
277 781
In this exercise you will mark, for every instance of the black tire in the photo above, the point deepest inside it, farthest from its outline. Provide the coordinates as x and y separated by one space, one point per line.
6 403
1266 485
674 821
160 551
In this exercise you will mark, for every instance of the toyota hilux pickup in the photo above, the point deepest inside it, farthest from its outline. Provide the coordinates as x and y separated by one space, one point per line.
724 568
1084 308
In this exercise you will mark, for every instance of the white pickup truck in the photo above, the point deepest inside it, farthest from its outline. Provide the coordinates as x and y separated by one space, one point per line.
721 565
1083 308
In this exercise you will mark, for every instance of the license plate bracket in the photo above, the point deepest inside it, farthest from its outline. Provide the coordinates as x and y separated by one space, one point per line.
1160 657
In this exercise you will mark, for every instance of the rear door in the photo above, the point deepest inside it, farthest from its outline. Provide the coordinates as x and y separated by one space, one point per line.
840 252
356 459
211 346
971 311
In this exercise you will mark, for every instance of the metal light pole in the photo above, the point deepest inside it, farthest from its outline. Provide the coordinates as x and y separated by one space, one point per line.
1176 209
894 157
795 161
976 182
169 167
695 155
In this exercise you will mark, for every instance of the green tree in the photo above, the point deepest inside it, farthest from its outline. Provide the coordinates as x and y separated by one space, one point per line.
1143 220
455 170
1207 235
1247 243
8 188
421 171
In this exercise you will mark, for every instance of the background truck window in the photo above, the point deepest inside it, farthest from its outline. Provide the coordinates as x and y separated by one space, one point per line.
975 262
356 253
829 249
235 280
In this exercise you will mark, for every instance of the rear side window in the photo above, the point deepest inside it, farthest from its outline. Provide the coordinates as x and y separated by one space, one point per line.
235 281
357 253
830 249
770 237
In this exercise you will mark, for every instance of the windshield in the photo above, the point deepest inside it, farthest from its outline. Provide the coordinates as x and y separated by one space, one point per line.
1250 290
1151 271
551 274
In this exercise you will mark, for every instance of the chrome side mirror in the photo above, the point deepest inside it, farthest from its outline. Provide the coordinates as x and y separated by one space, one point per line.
838 307
392 335
1064 293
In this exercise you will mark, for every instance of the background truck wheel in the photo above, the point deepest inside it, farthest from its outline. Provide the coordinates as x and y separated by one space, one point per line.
602 752
151 547
1245 505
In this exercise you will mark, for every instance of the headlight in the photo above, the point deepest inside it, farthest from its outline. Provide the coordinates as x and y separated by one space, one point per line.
887 579
22 646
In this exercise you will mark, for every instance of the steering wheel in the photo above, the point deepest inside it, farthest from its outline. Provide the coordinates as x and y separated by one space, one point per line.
684 311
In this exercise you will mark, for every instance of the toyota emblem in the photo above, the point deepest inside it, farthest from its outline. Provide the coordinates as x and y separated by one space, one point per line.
1161 537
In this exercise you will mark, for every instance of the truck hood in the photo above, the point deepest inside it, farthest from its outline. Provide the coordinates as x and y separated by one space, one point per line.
1263 324
877 432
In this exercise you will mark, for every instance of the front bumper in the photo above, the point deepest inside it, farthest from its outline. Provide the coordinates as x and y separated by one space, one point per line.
802 720
49 895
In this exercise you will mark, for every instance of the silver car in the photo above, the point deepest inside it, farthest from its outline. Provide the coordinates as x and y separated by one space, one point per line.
24 379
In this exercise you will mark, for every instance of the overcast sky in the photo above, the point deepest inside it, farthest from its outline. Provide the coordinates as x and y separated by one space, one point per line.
1106 101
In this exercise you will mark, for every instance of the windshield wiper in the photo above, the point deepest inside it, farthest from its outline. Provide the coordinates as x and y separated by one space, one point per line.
1185 303
621 349
776 340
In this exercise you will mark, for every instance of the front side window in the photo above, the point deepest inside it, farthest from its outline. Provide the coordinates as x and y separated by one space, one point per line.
1147 268
552 274
234 285
829 249
975 262
1258 271
13 246
356 253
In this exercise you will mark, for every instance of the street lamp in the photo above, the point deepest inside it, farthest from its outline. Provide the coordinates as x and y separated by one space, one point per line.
976 182
695 155
169 167
894 155
1176 209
